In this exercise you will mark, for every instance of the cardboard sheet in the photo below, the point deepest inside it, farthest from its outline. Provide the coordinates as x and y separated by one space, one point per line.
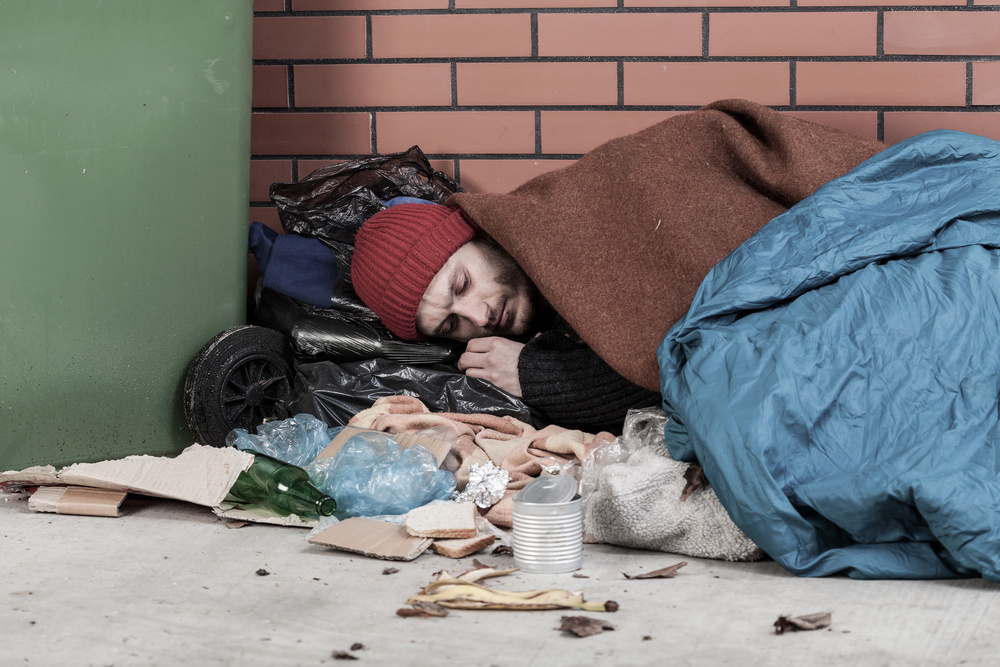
201 475
77 500
372 538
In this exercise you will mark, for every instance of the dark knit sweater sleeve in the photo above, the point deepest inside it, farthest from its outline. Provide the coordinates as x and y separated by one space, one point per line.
575 388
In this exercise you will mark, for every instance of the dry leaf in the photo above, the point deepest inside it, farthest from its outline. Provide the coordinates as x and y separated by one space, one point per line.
390 570
343 655
807 622
422 610
262 572
664 573
503 550
583 626
694 477
234 523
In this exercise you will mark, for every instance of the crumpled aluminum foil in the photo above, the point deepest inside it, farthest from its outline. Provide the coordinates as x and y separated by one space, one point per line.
486 486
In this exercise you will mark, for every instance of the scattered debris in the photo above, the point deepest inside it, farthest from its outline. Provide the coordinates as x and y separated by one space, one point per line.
390 570
262 572
343 655
577 575
646 638
235 523
583 626
664 573
357 646
422 610
807 622
503 550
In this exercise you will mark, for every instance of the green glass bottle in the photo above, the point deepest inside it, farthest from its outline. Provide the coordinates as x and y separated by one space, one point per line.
282 488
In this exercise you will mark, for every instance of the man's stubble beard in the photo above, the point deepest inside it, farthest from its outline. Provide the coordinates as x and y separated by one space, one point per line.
513 278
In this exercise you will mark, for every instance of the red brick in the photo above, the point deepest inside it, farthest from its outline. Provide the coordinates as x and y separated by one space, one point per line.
942 33
532 4
456 132
707 3
881 84
577 132
306 167
792 34
347 5
537 83
899 125
310 133
280 37
984 2
986 82
503 175
270 86
700 83
265 172
619 34
451 36
860 123
361 85
876 3
269 5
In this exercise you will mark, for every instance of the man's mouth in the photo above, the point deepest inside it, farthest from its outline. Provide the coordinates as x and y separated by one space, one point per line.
501 320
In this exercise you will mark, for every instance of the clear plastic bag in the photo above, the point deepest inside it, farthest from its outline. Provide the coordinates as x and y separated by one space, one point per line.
296 440
373 475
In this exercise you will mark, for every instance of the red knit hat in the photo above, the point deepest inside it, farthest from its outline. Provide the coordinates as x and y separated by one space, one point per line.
396 254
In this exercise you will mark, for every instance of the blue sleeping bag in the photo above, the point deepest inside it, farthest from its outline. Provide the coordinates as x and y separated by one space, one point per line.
838 374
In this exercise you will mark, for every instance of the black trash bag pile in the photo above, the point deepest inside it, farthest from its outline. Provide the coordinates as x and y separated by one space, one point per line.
336 392
331 203
345 357
339 335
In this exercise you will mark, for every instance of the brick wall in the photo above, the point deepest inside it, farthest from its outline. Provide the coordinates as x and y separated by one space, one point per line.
497 91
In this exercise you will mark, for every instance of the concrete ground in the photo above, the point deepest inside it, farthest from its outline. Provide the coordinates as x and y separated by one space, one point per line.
168 583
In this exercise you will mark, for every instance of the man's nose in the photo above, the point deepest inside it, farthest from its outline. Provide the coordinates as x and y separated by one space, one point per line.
477 312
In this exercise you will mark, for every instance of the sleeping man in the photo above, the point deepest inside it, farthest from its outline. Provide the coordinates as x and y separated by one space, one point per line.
427 272
834 371
565 286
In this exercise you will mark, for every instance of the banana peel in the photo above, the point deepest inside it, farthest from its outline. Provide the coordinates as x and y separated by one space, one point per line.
461 593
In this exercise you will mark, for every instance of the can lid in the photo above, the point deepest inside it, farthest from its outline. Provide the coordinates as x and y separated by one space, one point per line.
548 489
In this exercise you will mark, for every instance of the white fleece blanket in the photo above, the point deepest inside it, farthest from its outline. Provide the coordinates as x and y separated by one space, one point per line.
632 493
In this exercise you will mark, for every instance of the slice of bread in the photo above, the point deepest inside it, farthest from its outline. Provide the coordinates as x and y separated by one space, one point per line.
462 548
448 520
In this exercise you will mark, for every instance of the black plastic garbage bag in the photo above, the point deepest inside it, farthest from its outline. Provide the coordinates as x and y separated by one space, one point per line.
328 334
332 202
336 392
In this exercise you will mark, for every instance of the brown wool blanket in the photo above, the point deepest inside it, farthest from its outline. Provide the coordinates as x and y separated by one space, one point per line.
619 241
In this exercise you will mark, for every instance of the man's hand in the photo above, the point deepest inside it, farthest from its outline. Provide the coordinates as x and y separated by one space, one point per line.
493 358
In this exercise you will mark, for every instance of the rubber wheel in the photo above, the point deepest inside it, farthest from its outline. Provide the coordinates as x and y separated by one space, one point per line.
237 380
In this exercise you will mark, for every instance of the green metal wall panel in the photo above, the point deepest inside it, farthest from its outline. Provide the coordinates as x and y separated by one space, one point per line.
124 171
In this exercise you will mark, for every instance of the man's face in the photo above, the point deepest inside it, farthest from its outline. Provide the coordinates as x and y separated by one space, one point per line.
480 291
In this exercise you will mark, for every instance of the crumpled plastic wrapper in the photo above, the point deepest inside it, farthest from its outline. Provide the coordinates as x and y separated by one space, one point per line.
486 486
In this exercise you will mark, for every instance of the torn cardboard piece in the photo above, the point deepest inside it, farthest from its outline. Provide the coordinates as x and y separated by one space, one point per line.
77 500
378 539
201 475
